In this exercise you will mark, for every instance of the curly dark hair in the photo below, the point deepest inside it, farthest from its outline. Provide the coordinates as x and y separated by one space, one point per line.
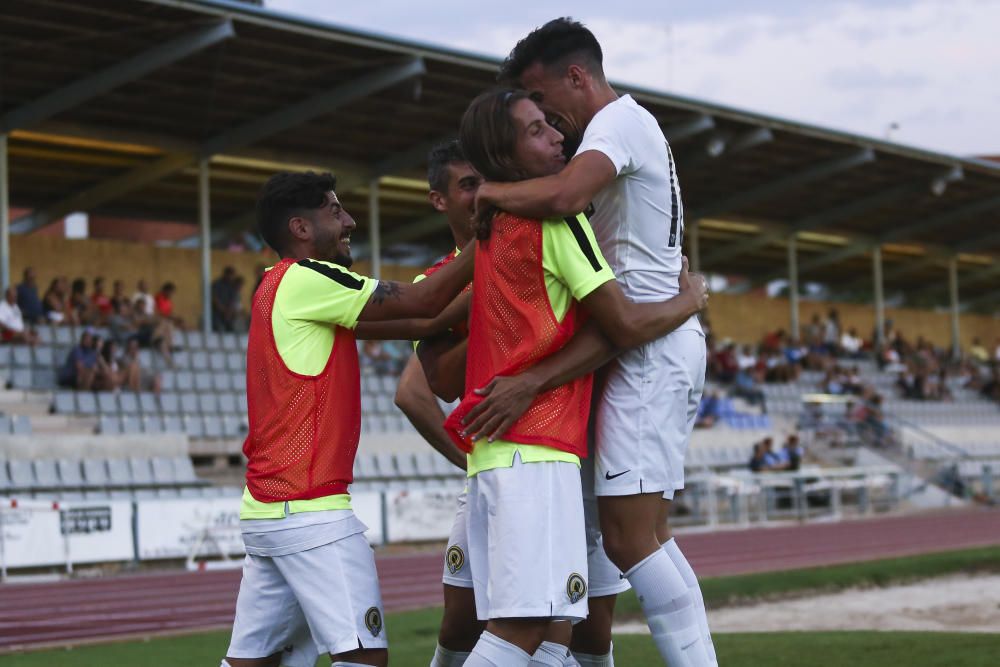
553 43
285 195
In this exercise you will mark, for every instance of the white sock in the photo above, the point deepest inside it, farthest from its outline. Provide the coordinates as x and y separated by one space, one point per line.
225 663
444 657
549 654
687 573
570 660
491 651
592 660
669 609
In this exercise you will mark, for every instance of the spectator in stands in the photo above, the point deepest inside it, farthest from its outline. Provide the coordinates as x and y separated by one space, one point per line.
12 326
708 411
100 301
153 331
79 304
772 461
996 352
724 362
81 364
28 300
55 305
165 302
225 301
833 382
851 344
907 385
109 374
143 303
377 356
746 386
991 388
853 384
791 454
978 353
831 332
756 463
137 378
120 323
118 295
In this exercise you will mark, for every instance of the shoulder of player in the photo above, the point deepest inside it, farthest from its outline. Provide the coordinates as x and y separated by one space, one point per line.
314 270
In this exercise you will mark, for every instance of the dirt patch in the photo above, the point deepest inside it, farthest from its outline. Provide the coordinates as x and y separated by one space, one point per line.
946 604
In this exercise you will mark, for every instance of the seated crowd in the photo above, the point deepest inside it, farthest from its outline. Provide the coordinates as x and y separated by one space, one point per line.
786 459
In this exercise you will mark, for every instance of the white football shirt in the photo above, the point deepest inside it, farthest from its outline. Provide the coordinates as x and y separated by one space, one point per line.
638 219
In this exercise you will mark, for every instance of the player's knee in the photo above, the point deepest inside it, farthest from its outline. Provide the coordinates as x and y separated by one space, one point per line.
459 632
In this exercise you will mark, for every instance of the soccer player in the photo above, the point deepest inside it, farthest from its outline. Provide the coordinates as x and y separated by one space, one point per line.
623 167
525 521
453 183
309 577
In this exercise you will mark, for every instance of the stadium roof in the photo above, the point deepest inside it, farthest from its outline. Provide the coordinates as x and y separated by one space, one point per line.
110 106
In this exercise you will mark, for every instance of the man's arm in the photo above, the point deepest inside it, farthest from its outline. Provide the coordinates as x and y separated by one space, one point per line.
425 299
414 398
443 361
566 193
416 328
610 331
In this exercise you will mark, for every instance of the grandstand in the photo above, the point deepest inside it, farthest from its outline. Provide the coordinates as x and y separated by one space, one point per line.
111 117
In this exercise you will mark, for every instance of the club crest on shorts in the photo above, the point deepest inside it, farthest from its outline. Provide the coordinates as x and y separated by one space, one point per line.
576 588
373 621
455 558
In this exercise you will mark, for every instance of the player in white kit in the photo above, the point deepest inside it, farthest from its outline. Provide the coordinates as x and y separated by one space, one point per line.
624 168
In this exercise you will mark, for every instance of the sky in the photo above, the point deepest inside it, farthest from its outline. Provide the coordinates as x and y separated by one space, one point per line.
922 66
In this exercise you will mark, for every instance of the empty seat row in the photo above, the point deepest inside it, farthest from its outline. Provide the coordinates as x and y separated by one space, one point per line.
76 474
164 492
15 425
404 465
200 360
194 426
203 381
194 340
146 403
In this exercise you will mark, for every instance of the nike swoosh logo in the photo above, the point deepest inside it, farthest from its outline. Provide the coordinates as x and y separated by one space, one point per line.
608 474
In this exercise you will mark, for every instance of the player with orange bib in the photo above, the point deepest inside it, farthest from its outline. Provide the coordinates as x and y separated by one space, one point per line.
525 521
309 583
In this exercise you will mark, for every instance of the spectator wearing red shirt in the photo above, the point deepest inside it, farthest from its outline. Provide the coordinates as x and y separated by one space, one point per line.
100 300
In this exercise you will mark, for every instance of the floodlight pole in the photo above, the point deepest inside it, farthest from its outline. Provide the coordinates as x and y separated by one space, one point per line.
793 288
878 288
956 341
204 229
375 229
4 215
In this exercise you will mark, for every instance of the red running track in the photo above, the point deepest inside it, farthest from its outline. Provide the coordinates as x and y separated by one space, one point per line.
83 611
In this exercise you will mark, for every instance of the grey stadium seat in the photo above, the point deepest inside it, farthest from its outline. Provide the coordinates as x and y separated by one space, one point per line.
152 424
231 427
21 425
213 341
194 427
70 473
170 403
128 403
199 360
21 475
190 492
107 403
217 361
148 403
195 340
203 381
236 361
64 336
109 425
213 426
386 465
185 381
209 404
95 472
44 357
21 356
86 404
227 404
172 424
21 378
190 403
221 381
142 472
184 470
46 474
119 473
163 470
131 425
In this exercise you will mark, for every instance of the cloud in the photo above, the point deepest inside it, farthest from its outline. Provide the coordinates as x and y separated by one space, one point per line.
854 66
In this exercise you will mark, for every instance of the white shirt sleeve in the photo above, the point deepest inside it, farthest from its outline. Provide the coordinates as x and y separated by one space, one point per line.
607 133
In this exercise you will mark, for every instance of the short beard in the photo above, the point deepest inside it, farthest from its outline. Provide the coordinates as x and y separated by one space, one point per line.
343 260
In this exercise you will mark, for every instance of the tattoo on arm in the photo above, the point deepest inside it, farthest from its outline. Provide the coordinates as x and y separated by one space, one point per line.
386 289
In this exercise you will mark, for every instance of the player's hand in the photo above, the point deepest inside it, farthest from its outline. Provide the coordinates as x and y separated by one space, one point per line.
484 198
694 285
507 398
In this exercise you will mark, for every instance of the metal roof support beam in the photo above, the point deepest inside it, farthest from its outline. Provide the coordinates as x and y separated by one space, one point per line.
738 144
793 289
956 341
878 288
238 137
827 217
374 229
411 231
120 73
689 128
205 247
693 234
411 157
797 179
302 112
4 216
